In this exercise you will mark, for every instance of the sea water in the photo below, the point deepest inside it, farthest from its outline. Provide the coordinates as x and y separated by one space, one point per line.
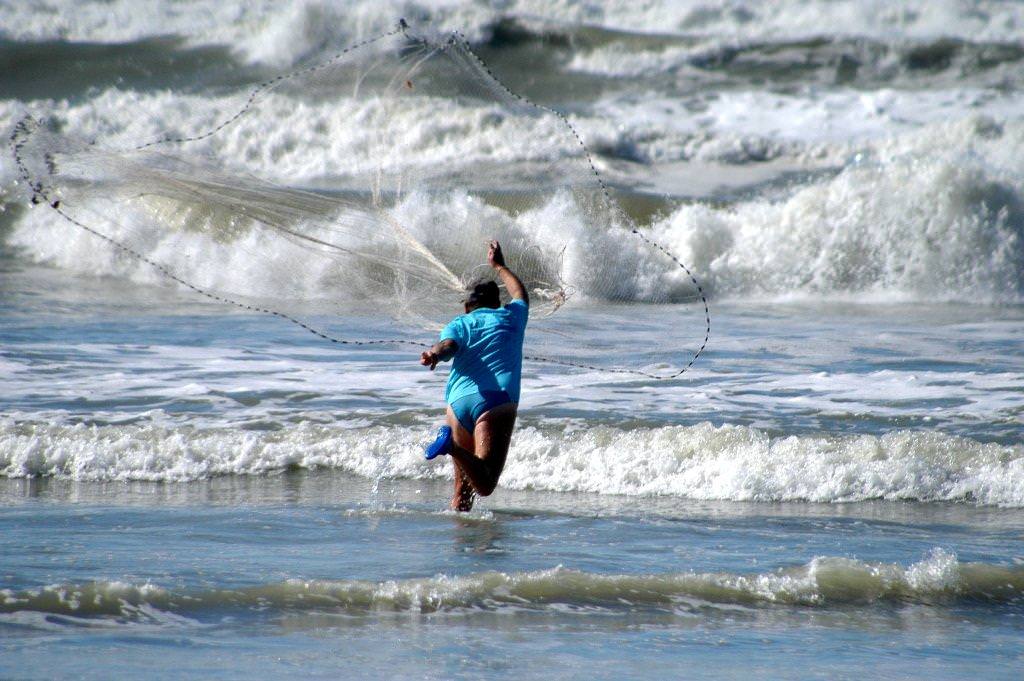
834 489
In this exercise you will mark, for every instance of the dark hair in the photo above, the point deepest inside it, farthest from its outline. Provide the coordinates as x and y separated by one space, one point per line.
484 294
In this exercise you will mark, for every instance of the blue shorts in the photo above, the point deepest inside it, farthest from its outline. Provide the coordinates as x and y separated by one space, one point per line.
471 407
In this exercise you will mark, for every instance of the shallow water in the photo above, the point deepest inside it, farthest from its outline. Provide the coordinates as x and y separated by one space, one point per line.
322 534
836 487
313 572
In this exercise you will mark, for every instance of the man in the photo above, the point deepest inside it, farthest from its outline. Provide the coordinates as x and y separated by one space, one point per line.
486 345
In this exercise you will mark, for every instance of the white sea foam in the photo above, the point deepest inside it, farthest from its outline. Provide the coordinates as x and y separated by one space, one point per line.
263 31
925 210
790 19
281 33
303 142
698 462
934 213
810 128
310 143
937 215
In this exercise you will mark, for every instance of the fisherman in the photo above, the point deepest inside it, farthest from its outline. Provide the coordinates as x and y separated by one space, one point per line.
486 344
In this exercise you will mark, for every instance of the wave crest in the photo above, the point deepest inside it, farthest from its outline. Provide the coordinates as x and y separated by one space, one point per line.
698 462
911 225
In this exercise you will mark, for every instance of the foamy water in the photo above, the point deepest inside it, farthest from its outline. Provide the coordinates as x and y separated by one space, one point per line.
695 462
834 486
286 33
923 210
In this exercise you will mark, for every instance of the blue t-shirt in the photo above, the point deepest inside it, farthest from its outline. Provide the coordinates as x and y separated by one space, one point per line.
490 354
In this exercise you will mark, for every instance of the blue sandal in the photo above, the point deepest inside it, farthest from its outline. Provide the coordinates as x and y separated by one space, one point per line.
442 445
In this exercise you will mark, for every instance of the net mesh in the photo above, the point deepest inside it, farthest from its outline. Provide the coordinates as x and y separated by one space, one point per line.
390 223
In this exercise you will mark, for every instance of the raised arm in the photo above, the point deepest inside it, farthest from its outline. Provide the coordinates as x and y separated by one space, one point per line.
512 284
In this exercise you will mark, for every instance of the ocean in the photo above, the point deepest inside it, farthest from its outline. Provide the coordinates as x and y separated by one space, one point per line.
835 487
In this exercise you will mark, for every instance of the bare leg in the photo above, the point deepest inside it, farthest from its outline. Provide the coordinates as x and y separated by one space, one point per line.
482 455
462 499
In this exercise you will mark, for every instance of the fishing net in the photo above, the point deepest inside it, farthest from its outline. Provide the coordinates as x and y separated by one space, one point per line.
380 245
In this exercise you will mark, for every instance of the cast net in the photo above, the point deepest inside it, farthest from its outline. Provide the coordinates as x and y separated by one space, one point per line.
378 246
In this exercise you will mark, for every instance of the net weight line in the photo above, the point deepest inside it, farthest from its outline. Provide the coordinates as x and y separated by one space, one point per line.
40 194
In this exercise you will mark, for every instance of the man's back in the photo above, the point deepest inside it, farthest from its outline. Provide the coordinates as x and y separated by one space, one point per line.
490 354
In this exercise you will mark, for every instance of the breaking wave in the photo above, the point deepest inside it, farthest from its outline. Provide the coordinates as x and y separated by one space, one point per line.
921 218
276 33
698 462
939 579
932 214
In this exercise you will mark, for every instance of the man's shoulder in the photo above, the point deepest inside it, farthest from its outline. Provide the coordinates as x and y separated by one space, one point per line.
455 328
518 308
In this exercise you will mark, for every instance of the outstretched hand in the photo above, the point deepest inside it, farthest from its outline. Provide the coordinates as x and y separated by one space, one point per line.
428 359
495 258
